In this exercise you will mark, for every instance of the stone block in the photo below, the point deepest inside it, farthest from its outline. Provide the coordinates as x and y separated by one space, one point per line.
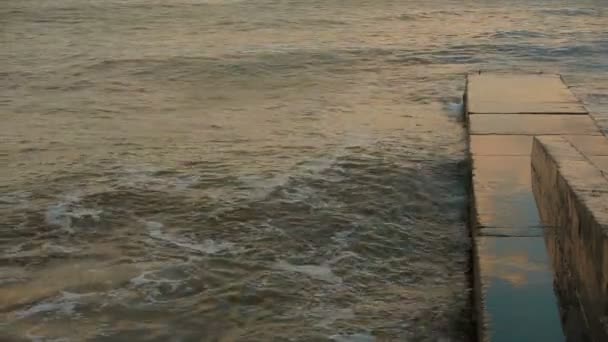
572 196
601 162
590 145
531 124
501 145
513 93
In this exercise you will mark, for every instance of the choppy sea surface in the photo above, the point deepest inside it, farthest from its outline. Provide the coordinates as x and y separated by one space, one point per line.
254 170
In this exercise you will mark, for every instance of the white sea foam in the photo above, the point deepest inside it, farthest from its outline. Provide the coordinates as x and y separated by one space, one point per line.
56 215
342 237
64 304
455 110
54 248
16 198
64 213
148 277
155 229
185 182
344 255
260 187
319 272
147 177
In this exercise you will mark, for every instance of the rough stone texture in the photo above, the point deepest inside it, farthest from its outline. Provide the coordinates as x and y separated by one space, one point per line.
589 145
572 194
601 162
524 93
601 119
532 124
558 159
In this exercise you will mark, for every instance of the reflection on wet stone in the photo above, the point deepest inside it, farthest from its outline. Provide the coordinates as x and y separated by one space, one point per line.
515 296
517 274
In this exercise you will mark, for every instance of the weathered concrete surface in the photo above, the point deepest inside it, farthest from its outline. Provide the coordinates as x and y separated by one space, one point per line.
589 145
523 93
572 194
515 300
532 124
601 162
501 145
596 146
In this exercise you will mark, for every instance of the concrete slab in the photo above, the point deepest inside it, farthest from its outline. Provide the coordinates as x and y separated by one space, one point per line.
501 145
503 193
601 119
520 93
531 124
580 186
521 145
556 160
590 145
516 285
559 145
601 162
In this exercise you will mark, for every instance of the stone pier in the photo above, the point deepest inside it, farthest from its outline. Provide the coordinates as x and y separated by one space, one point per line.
515 299
570 183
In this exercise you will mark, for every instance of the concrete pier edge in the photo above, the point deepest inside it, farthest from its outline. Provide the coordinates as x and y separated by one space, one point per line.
514 297
571 189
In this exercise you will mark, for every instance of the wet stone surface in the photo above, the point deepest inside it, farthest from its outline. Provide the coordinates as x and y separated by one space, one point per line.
516 273
502 188
532 124
514 294
524 93
501 145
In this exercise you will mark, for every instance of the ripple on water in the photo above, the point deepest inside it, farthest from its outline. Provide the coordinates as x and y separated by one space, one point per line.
208 246
319 272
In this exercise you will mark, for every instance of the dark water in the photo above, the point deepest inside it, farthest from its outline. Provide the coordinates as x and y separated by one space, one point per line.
253 170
